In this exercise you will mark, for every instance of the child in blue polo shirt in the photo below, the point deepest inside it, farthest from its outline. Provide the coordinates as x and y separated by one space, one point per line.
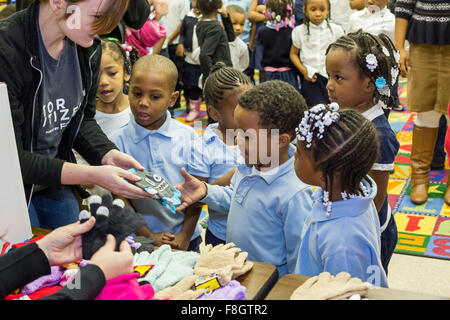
216 153
267 203
335 151
162 145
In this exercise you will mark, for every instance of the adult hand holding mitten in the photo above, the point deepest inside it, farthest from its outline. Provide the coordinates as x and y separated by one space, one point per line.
222 258
327 287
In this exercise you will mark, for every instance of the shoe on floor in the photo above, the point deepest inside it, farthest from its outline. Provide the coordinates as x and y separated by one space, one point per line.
398 108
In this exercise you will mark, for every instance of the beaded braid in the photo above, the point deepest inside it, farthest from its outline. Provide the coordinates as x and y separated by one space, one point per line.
376 58
306 20
348 144
128 57
221 79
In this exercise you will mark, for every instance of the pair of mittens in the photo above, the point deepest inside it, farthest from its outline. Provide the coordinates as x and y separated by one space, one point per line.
112 217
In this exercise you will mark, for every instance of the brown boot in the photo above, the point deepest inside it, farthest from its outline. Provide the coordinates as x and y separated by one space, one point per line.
423 142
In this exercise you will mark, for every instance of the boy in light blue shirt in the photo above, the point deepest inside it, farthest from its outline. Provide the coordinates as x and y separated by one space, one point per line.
267 203
162 145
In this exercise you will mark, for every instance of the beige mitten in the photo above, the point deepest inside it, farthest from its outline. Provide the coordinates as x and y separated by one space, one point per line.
181 291
327 287
221 259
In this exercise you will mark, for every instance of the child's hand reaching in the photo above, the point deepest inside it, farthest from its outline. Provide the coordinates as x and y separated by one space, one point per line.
162 238
192 190
180 241
313 79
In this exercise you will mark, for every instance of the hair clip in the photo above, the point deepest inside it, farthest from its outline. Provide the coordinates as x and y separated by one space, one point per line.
317 117
372 62
382 86
385 51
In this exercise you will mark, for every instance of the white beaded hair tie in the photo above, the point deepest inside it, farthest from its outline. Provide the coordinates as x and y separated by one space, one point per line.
317 117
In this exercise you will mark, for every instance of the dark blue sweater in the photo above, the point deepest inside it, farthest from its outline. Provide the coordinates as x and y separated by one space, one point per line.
429 20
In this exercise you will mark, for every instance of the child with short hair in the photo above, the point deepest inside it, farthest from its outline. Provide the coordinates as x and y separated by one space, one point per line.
275 38
335 151
310 40
267 203
163 145
238 48
362 70
216 153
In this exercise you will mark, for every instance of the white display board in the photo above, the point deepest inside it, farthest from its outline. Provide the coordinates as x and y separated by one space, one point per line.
14 220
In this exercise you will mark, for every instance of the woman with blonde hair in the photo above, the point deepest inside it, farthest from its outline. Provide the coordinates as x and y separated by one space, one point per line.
49 59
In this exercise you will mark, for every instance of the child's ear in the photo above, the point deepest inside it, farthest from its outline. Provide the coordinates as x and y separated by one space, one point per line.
370 85
213 113
174 97
284 139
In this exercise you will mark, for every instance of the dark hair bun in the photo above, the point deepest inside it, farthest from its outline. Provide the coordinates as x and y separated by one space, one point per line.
219 65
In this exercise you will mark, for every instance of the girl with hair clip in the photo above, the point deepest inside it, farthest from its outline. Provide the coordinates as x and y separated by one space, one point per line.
50 61
216 153
335 151
113 107
362 71
310 40
275 39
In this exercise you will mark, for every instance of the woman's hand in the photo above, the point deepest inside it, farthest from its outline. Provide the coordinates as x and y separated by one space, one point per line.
63 245
113 178
404 62
122 160
113 263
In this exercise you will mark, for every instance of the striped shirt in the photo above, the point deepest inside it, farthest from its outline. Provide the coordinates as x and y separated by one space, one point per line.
429 20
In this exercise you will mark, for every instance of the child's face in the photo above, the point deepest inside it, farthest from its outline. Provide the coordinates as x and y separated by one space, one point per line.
346 85
150 96
225 113
238 21
254 142
380 3
317 11
112 77
357 4
304 165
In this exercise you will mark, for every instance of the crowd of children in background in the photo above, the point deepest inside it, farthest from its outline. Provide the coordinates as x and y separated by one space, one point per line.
328 75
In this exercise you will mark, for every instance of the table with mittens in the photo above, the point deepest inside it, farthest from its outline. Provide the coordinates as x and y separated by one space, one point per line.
219 272
342 286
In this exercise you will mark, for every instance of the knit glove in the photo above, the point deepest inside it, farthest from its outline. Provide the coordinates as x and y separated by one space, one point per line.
222 258
112 217
181 291
169 266
232 291
327 287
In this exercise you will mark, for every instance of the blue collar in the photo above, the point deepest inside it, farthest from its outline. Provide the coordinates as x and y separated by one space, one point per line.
340 209
139 133
273 174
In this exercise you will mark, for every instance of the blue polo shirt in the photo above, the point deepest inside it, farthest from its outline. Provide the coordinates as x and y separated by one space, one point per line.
163 151
266 212
349 240
212 159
